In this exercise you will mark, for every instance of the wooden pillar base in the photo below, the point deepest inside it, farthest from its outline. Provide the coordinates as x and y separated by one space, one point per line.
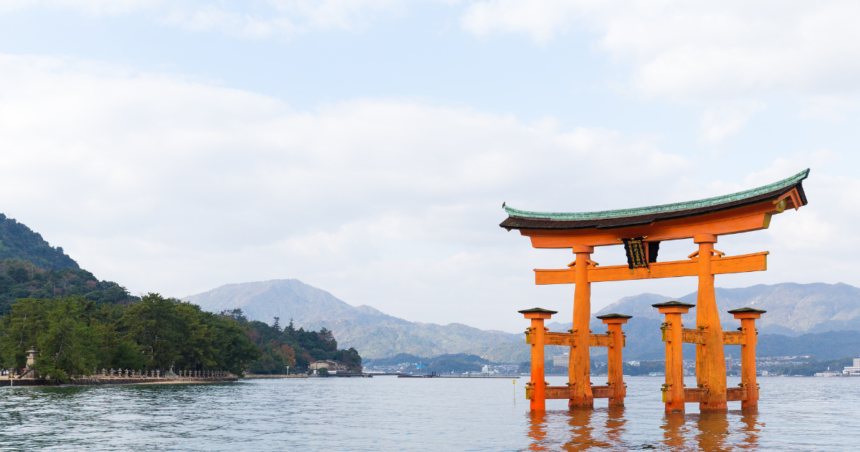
579 366
614 360
748 316
537 384
710 355
674 395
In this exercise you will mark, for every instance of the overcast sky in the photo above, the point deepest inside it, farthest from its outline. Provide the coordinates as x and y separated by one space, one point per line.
366 146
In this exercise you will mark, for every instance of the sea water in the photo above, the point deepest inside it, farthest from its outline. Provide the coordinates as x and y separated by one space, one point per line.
389 413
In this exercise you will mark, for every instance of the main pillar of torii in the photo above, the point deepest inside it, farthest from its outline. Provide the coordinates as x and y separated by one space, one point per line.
641 230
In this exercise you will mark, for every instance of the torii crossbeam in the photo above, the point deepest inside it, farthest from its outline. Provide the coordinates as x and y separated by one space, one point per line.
703 221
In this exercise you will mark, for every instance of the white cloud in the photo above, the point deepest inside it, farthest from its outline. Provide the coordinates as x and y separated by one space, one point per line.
175 185
540 18
833 108
278 17
718 123
170 184
702 50
93 7
254 19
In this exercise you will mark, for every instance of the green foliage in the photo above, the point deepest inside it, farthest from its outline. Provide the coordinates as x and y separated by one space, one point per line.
20 279
457 363
172 333
293 348
400 358
75 335
17 241
67 345
127 356
644 368
61 331
323 372
811 367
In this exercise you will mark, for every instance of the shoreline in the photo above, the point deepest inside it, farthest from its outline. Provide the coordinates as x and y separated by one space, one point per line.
268 376
6 383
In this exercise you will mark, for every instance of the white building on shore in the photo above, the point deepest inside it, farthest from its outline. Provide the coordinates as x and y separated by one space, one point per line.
853 371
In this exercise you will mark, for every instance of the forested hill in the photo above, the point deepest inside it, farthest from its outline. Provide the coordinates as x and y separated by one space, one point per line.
20 279
17 241
78 323
286 350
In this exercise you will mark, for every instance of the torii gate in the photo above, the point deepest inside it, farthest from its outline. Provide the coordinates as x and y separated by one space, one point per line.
703 221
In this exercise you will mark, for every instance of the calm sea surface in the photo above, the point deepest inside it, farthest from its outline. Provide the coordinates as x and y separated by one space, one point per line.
387 413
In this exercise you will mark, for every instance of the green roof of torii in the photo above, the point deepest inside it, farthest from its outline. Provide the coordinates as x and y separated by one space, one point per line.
664 208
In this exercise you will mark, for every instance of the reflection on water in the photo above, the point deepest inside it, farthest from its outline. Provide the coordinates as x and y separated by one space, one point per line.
537 430
751 430
387 413
713 431
674 431
615 424
604 429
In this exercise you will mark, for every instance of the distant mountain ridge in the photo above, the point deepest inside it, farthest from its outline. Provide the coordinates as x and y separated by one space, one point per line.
373 333
793 310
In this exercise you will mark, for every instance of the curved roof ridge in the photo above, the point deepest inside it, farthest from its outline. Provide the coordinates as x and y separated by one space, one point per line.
678 206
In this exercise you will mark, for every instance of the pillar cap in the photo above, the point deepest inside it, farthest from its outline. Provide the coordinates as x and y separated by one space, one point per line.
704 238
743 310
614 318
582 249
535 310
673 304
537 313
747 313
673 307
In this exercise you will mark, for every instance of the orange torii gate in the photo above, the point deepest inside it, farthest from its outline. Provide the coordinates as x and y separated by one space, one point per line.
641 230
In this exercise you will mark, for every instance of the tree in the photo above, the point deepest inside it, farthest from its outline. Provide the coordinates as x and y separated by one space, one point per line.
66 346
20 330
195 338
128 356
152 324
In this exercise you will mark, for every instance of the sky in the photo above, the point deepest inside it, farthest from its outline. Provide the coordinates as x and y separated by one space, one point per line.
365 147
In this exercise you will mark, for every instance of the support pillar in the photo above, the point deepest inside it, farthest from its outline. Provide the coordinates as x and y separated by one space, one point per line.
673 336
579 370
710 356
537 338
748 317
615 362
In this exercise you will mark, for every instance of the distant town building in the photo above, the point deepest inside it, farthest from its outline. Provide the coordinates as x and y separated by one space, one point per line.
852 371
633 363
561 360
331 366
829 373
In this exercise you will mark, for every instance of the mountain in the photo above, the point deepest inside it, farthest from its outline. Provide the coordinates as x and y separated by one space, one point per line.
31 268
17 241
793 309
371 332
801 319
819 319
